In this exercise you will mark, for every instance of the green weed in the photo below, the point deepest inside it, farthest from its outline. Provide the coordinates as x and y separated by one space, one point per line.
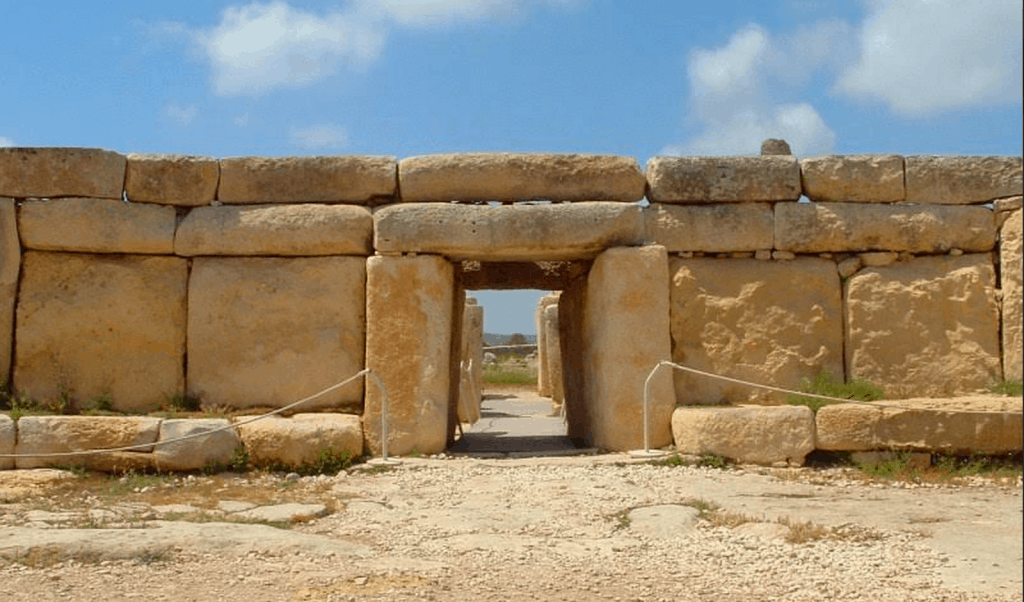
1009 388
825 383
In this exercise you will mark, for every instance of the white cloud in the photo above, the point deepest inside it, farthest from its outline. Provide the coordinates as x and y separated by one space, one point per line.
742 133
925 56
733 68
323 136
426 13
180 114
6 142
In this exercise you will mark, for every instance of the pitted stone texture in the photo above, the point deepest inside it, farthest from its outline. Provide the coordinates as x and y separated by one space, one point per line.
510 176
99 324
749 435
96 226
10 268
625 334
337 179
711 228
300 439
212 442
740 318
553 340
723 179
543 363
838 227
172 179
929 326
1011 282
962 180
306 229
268 331
775 146
473 356
409 325
58 172
62 434
855 178
7 441
508 233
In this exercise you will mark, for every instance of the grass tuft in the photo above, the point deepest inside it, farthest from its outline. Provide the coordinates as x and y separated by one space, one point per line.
825 383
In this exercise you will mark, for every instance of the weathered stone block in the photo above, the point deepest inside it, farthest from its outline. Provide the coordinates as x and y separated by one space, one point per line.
300 439
96 226
554 355
10 268
740 318
838 227
63 434
512 176
409 320
57 172
1013 297
962 180
543 364
749 435
268 331
722 179
338 179
929 326
508 233
473 362
855 178
172 179
711 228
95 324
8 438
211 442
307 229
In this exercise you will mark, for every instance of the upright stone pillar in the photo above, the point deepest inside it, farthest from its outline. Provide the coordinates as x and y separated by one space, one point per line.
472 372
543 375
10 267
554 357
1010 265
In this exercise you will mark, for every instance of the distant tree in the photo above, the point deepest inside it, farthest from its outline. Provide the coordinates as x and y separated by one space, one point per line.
517 339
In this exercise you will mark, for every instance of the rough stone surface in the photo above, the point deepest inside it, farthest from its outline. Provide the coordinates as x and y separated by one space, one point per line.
962 180
408 317
7 440
625 334
928 326
775 146
337 179
57 172
306 229
472 354
543 372
855 178
62 434
510 176
95 324
300 439
711 228
836 227
507 233
10 269
553 356
740 318
172 179
212 442
96 226
722 179
268 331
284 513
1013 299
749 435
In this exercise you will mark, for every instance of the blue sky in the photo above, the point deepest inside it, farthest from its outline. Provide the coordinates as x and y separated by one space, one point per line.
409 77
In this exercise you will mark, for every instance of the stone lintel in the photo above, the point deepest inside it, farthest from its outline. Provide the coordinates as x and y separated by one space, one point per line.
59 172
335 179
723 179
854 178
96 226
511 275
720 228
172 179
962 180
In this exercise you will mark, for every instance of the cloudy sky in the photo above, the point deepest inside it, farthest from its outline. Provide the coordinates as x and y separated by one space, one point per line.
409 77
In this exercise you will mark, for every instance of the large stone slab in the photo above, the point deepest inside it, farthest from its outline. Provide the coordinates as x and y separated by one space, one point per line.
711 228
508 233
101 324
928 326
854 178
10 269
409 324
96 226
839 227
306 229
740 318
1013 297
300 440
472 354
512 176
172 179
268 331
337 179
962 180
57 172
748 434
8 438
625 335
722 179
64 434
195 444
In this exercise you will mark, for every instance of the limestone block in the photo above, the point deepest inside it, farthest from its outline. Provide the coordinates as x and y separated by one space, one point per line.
409 324
57 172
928 326
10 268
750 435
854 178
62 434
741 318
962 180
723 179
307 229
300 439
543 371
268 331
473 362
625 335
711 228
554 355
516 176
96 226
1011 282
837 227
8 437
337 179
95 324
211 442
172 179
509 232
